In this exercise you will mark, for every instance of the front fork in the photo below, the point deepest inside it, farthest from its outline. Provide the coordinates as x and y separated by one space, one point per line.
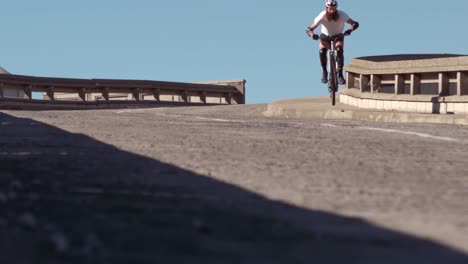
333 72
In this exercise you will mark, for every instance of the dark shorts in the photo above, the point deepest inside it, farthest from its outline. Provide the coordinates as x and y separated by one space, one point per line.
328 39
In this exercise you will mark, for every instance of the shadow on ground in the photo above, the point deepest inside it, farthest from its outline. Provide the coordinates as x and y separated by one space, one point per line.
67 198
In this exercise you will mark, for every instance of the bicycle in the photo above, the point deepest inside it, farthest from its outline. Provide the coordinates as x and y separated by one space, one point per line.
332 57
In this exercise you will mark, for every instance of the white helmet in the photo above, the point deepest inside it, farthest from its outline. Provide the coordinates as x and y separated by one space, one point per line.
331 3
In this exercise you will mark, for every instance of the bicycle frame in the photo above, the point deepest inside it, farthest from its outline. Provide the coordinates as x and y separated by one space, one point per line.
332 58
333 78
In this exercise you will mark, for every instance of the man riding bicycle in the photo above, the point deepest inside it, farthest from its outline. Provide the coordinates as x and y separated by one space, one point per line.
332 21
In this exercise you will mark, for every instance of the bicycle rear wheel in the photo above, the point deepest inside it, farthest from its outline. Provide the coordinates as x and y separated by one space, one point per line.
333 79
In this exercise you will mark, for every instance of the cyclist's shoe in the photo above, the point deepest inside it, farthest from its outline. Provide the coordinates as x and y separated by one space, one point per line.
341 79
324 77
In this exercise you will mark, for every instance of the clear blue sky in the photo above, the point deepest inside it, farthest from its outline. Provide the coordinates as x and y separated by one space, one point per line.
262 41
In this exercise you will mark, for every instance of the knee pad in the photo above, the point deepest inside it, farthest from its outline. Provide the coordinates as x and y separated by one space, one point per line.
323 57
340 58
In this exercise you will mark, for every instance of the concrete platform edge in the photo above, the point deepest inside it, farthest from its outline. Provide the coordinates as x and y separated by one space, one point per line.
320 108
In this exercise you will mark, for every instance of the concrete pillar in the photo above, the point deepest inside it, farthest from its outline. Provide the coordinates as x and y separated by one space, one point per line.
443 84
462 83
185 96
229 98
28 91
363 84
399 84
157 94
136 93
350 79
82 94
105 93
240 86
50 92
203 97
415 84
376 81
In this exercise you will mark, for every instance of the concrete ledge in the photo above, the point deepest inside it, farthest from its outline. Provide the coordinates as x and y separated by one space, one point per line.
408 63
27 104
406 103
320 108
71 89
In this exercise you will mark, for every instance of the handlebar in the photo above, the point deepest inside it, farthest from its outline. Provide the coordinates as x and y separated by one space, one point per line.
331 38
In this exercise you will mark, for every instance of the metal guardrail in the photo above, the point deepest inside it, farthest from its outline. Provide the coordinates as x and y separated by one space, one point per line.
439 82
92 92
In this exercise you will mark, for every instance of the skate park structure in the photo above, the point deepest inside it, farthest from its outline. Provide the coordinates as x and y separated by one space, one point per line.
420 83
16 92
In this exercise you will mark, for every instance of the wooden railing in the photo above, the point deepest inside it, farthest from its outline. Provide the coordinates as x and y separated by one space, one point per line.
89 92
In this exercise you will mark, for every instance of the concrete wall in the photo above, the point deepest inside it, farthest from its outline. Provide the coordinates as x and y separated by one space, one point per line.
11 92
434 83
